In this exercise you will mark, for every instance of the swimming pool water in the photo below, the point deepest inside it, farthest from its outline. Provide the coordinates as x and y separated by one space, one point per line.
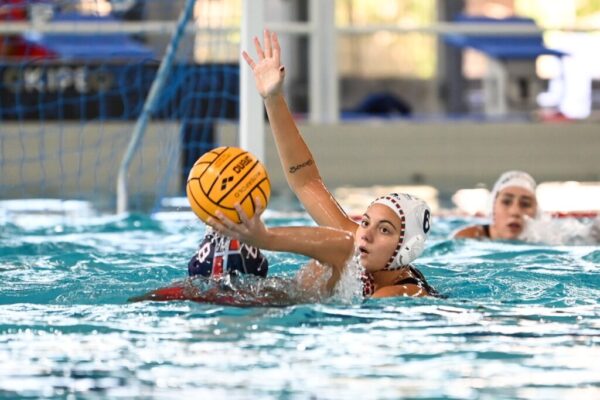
521 321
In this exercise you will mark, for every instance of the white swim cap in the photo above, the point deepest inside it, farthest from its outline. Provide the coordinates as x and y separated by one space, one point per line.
508 179
415 217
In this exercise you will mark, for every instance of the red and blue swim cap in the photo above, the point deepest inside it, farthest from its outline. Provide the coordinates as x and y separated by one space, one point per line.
219 255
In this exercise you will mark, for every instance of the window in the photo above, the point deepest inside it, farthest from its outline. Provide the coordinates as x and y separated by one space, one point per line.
384 53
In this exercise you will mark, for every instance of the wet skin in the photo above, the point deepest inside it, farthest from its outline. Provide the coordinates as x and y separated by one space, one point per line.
377 237
511 208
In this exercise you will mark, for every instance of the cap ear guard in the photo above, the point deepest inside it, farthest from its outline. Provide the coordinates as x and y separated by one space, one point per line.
414 246
410 250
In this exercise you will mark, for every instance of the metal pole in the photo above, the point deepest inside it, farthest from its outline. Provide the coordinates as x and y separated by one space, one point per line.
149 105
252 122
323 75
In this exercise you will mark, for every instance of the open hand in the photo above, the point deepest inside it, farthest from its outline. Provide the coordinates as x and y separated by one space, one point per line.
268 71
251 231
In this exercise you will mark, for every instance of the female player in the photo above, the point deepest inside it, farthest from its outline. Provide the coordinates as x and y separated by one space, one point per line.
512 201
390 235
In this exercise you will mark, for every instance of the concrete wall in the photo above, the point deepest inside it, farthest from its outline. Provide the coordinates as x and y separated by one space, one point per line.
447 155
71 159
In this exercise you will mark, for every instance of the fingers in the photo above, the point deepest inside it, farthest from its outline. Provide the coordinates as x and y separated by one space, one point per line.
259 50
216 225
248 59
276 48
225 221
267 43
258 206
224 225
270 48
258 210
243 216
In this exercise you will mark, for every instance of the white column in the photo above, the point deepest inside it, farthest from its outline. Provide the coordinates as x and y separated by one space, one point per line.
252 123
323 77
495 88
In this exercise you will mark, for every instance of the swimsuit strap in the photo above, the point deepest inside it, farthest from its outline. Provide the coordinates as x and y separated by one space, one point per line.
486 230
422 282
408 281
417 278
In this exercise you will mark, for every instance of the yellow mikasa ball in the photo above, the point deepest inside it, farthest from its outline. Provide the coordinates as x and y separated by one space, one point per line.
224 177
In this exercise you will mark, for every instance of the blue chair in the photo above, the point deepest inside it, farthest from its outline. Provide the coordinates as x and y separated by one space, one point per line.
89 46
512 61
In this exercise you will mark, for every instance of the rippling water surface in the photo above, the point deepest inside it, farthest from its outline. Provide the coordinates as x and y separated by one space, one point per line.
520 321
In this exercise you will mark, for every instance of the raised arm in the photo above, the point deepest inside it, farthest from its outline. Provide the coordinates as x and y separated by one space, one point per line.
298 164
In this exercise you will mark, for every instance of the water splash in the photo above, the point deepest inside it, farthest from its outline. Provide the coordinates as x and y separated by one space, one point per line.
565 231
245 290
349 288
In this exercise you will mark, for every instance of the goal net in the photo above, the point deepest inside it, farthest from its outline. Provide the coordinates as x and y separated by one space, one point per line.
74 78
